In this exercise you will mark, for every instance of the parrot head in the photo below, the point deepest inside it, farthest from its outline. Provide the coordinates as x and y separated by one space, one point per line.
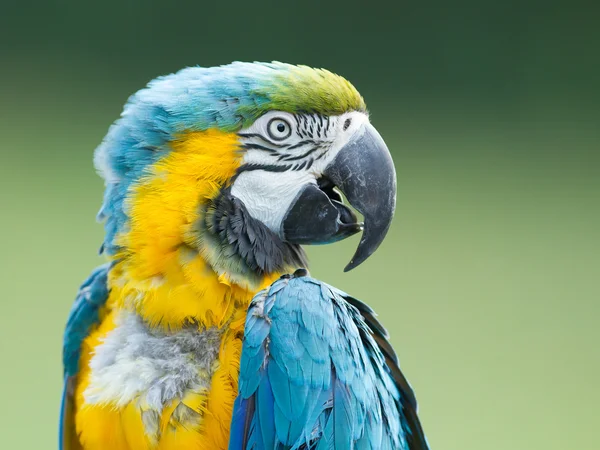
241 165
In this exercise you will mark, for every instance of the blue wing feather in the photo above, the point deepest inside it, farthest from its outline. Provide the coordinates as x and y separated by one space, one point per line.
266 413
321 374
84 314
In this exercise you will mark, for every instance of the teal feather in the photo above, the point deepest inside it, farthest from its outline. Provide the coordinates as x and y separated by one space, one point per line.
327 383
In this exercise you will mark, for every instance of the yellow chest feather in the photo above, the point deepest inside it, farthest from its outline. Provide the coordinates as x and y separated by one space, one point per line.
160 372
121 405
143 385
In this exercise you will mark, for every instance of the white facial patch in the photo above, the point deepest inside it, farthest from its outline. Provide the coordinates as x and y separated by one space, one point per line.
283 153
268 195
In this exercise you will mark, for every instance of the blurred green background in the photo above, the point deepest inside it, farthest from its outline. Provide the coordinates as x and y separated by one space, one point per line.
489 278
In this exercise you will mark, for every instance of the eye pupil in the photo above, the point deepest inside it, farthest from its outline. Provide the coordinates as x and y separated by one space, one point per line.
347 124
281 128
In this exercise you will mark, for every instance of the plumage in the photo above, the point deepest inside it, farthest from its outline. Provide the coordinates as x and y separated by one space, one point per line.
345 406
84 315
215 178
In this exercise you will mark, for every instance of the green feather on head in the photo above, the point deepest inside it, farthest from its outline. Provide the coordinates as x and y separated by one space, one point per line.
297 89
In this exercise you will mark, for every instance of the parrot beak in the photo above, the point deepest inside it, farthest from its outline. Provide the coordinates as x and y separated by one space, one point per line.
364 172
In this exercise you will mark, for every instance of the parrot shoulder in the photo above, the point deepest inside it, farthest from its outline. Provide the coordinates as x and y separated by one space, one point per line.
318 372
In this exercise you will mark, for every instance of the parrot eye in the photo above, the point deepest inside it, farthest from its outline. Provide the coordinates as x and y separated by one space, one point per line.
279 129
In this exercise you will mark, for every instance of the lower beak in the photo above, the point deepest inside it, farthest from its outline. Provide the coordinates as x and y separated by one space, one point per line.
364 172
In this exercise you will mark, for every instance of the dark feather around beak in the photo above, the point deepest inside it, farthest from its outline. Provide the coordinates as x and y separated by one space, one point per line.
364 172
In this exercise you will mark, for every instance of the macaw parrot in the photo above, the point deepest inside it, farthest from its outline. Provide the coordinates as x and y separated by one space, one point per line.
204 329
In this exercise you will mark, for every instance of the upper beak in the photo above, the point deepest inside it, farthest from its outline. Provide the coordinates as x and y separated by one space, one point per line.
364 171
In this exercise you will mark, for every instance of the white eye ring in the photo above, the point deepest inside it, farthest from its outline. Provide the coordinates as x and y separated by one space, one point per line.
279 129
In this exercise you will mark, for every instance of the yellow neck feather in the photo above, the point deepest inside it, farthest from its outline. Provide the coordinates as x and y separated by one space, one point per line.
158 272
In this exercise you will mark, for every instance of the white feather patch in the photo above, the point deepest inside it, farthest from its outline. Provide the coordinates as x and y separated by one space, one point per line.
135 363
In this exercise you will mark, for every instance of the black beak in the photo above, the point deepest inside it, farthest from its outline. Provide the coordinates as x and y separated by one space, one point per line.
363 170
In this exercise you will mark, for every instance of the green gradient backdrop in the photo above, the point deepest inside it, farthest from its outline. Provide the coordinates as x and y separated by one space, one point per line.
488 280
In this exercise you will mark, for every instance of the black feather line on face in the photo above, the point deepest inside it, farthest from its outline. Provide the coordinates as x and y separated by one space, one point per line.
302 143
301 166
320 125
266 167
251 146
295 158
323 153
297 119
